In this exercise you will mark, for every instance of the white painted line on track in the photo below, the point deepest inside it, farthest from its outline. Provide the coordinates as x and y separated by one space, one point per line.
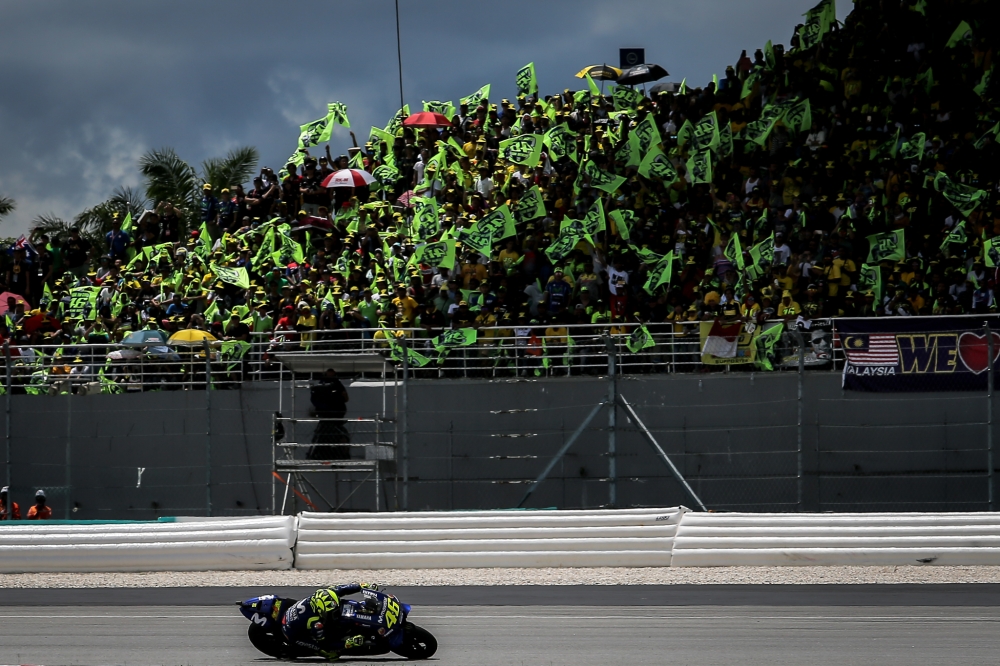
843 618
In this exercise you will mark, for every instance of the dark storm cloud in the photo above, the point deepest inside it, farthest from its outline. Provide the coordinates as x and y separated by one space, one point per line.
87 87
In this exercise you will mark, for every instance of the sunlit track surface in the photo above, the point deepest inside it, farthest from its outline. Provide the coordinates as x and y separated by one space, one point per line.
594 633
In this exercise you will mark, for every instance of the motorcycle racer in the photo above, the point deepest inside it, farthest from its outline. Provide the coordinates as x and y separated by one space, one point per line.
315 623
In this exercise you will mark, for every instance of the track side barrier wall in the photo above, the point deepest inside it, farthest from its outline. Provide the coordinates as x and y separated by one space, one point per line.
745 539
627 538
213 545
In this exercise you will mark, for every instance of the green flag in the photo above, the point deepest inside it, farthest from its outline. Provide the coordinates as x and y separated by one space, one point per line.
441 253
628 154
309 134
661 274
966 199
699 167
648 133
599 179
527 82
414 359
887 246
983 85
706 133
457 337
236 276
991 252
640 339
818 22
563 245
657 165
625 98
476 98
499 223
765 343
595 90
446 109
914 148
992 132
758 131
426 220
733 251
593 221
478 239
561 141
337 112
525 149
963 33
749 83
530 206
685 134
870 279
622 219
761 256
396 122
798 118
127 223
957 236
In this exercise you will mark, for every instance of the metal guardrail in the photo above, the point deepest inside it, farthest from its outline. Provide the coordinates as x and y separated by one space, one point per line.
498 352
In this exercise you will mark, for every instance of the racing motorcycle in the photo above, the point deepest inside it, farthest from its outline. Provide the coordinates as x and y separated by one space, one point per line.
379 617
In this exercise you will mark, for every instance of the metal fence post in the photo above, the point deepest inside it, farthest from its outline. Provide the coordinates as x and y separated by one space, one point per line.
798 423
208 429
406 404
612 423
989 415
69 440
8 384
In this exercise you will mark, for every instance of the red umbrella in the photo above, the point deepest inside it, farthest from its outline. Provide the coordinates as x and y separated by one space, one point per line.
6 296
404 199
427 119
348 178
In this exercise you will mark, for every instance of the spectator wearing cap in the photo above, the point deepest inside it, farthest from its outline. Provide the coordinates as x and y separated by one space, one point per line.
40 510
209 205
9 510
117 240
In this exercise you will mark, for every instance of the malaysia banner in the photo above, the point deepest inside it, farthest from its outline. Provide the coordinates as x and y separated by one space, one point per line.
909 354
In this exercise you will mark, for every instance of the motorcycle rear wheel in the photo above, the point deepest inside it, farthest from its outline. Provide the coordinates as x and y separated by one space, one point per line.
418 643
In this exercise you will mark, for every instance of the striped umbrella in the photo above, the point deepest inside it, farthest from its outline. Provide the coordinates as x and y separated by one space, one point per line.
348 178
606 72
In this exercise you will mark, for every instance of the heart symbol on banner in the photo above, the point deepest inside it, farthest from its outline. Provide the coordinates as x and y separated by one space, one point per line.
973 351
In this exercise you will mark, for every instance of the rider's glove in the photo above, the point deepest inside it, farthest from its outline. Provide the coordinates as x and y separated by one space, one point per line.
369 586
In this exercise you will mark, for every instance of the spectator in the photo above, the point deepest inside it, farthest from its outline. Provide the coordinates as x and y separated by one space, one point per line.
9 510
40 510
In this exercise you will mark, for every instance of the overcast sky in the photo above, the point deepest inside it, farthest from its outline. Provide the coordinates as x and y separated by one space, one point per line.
87 87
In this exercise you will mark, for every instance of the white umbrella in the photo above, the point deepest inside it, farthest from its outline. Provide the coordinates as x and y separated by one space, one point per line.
348 178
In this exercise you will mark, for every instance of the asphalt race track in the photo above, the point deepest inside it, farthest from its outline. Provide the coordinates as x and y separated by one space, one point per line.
683 624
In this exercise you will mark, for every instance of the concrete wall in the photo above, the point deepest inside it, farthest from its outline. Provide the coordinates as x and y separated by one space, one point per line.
734 437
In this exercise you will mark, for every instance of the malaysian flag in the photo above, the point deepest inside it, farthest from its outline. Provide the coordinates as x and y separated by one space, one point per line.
871 349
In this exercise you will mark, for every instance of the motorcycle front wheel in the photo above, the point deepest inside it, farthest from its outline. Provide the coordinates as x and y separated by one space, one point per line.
269 642
418 643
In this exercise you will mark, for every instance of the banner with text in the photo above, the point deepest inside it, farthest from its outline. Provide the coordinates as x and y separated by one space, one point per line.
918 354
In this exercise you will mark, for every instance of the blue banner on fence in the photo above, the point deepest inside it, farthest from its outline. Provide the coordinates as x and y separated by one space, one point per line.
916 354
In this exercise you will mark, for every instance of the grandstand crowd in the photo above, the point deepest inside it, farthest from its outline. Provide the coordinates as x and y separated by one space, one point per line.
773 192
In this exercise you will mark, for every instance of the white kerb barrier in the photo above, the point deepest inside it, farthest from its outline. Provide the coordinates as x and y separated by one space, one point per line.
746 539
230 545
431 540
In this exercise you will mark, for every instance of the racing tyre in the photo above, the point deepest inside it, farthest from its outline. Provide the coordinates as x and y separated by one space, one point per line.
268 642
418 643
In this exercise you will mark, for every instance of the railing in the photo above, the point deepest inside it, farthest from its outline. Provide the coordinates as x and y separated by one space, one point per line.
497 353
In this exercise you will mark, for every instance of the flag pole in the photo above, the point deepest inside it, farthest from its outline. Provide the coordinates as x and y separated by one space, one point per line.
399 58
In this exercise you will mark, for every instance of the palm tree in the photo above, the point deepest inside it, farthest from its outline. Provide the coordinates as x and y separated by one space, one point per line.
169 178
96 221
6 206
